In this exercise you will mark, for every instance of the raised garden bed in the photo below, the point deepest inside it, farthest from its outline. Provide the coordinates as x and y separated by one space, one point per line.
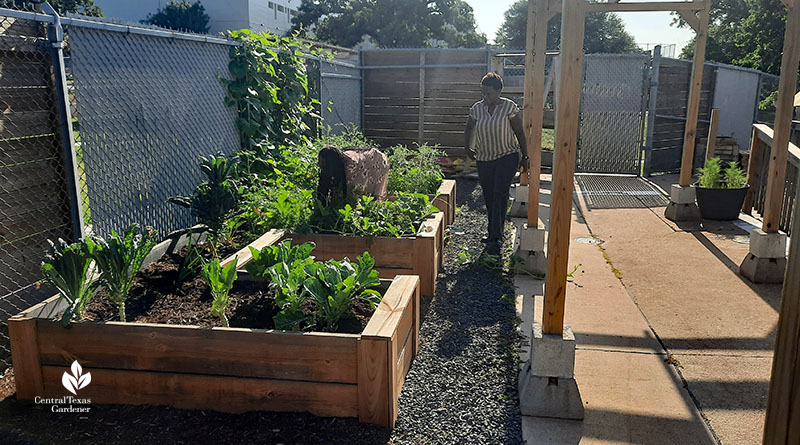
225 369
421 255
445 200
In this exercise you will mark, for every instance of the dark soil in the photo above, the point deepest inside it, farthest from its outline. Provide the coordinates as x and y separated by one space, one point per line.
156 296
462 387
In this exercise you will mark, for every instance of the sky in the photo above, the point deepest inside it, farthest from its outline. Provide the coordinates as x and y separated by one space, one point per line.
645 27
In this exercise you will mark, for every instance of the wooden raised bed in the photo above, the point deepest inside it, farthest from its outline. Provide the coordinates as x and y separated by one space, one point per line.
420 255
445 200
225 369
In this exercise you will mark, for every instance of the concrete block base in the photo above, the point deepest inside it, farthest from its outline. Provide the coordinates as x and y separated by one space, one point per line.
768 245
519 209
533 262
682 212
550 397
763 270
532 238
682 195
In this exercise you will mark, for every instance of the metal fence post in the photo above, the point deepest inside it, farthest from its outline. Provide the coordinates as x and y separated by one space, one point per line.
55 33
651 110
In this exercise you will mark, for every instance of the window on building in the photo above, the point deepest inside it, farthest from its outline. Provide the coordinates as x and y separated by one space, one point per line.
293 12
271 5
280 8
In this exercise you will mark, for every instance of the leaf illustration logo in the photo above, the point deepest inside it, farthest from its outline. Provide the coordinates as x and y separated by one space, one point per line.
77 380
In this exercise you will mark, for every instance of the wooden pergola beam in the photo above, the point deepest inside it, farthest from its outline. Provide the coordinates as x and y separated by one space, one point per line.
533 114
569 94
693 107
648 6
691 18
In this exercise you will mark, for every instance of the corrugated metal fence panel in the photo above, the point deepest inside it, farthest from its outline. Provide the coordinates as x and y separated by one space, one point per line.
394 102
147 108
670 120
34 205
612 113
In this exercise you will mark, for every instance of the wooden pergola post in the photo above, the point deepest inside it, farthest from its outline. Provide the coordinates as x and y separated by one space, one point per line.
533 113
782 424
693 107
569 98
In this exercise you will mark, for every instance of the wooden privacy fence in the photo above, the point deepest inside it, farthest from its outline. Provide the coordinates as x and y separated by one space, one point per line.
421 95
758 170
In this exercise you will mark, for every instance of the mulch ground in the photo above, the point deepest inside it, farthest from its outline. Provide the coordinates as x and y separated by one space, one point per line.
462 387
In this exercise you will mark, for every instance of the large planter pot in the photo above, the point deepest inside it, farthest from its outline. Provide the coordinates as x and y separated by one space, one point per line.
547 158
720 204
225 369
420 255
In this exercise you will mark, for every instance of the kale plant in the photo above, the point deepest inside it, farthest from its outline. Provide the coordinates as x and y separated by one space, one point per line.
119 258
220 279
68 268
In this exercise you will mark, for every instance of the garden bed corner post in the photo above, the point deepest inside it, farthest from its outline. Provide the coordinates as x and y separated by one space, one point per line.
766 261
548 387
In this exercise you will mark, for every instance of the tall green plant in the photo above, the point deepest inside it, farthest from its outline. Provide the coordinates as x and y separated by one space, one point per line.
68 268
119 259
415 170
735 177
269 89
711 174
220 279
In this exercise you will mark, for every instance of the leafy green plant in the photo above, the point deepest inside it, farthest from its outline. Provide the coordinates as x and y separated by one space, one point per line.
735 177
714 176
269 89
220 279
350 137
119 258
215 199
284 252
334 285
414 170
68 268
286 282
276 207
192 262
370 217
711 174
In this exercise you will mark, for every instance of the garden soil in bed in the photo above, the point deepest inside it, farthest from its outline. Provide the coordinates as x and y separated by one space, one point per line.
462 386
156 298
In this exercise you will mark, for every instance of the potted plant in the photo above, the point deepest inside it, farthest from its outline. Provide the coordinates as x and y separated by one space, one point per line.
721 191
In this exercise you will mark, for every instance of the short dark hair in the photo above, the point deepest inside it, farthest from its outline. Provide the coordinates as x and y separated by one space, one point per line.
493 80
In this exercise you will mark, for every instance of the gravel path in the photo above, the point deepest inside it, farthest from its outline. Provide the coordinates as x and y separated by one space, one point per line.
462 386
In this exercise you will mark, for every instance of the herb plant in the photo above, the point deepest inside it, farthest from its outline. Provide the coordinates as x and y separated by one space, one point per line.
334 285
414 170
68 268
735 177
220 279
714 176
119 258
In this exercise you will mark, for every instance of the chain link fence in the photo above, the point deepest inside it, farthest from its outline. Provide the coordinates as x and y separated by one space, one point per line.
34 202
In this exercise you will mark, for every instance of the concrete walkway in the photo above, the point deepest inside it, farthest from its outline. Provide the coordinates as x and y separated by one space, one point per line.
673 345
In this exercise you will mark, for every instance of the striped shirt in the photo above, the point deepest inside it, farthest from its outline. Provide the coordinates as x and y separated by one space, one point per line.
493 135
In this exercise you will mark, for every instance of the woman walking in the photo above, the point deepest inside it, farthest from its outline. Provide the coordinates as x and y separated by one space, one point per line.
499 139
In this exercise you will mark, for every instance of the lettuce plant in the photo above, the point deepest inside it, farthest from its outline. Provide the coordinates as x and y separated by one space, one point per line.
220 279
119 259
68 268
334 285
287 282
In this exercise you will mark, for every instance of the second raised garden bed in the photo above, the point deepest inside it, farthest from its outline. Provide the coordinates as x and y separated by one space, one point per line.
225 369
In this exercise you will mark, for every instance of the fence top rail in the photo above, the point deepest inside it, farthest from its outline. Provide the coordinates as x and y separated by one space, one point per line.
129 29
765 134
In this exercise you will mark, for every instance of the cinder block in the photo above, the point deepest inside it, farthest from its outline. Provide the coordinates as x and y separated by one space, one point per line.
533 262
682 195
763 270
532 239
767 245
521 193
682 212
550 397
552 355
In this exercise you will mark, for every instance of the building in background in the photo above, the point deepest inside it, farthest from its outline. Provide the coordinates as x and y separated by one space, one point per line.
259 15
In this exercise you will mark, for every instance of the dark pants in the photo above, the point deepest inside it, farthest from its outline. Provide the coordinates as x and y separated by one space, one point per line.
495 178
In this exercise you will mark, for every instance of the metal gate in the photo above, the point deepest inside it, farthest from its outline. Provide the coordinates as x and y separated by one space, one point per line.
613 104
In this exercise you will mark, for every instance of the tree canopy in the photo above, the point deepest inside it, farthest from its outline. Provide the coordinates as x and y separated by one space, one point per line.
747 33
605 31
390 23
83 7
180 15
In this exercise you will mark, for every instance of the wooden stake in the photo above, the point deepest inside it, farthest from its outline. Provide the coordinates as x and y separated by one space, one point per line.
421 127
711 145
783 122
572 33
533 114
752 171
693 107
